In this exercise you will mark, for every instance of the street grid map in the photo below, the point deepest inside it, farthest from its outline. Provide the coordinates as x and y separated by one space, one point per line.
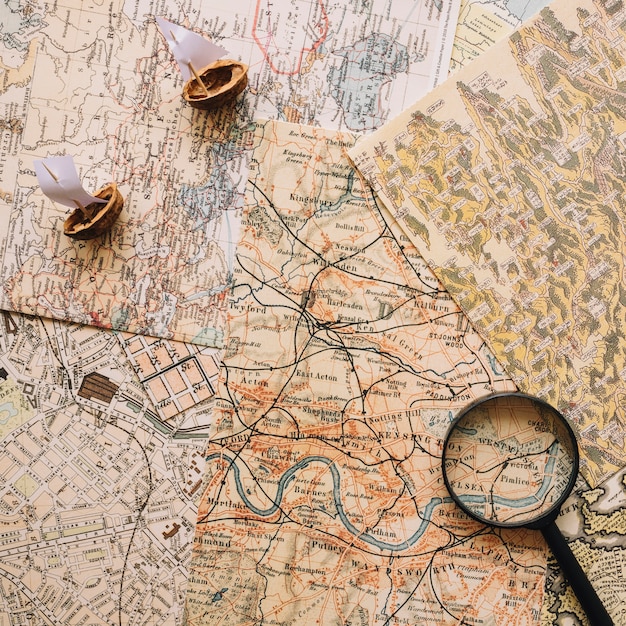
98 497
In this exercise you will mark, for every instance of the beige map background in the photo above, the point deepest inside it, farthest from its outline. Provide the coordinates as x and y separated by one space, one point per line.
482 23
118 550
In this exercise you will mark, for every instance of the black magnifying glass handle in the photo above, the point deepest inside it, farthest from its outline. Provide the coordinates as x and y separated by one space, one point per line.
576 577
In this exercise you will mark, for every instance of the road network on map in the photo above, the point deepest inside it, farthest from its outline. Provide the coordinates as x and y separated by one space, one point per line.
324 499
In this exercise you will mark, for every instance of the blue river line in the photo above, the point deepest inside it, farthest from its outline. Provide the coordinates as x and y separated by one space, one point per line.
289 475
520 503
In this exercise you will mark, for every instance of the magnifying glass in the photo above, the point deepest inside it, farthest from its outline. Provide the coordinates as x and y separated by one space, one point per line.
511 460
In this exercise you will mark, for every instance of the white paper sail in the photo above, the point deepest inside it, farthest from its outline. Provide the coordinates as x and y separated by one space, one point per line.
189 49
59 180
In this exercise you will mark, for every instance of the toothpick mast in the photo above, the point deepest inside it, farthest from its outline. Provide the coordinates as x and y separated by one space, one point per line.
191 51
59 180
92 215
193 70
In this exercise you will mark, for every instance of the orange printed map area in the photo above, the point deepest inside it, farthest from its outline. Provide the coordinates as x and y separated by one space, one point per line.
323 497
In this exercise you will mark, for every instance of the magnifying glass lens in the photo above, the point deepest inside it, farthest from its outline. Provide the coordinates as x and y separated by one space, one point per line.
510 460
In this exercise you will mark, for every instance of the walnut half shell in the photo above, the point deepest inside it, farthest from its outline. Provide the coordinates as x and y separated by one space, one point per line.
223 80
97 218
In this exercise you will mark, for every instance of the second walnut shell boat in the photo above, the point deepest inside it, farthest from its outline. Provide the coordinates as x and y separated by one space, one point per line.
96 219
223 79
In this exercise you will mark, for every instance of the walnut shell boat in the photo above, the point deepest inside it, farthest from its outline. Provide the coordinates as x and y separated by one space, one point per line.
98 218
224 80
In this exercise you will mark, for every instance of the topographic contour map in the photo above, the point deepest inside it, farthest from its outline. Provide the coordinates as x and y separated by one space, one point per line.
98 496
510 182
323 499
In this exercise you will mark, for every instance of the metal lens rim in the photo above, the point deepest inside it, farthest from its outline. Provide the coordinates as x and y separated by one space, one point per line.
545 517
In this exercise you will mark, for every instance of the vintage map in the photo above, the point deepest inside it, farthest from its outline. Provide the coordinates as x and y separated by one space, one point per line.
98 494
594 522
483 22
324 501
510 181
99 82
78 516
102 469
338 65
